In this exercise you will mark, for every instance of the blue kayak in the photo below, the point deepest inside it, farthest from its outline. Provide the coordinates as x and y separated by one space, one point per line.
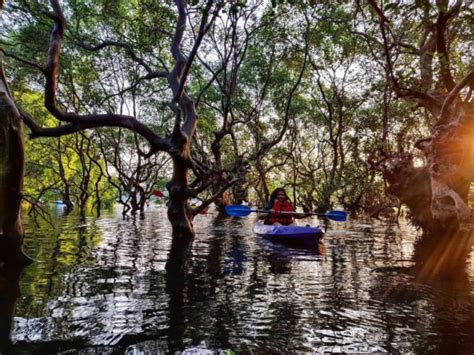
309 236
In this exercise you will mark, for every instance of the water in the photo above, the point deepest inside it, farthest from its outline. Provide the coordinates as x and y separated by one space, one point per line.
101 286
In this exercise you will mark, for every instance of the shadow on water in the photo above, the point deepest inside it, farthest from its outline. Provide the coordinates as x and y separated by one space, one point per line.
176 270
441 262
9 293
440 269
110 286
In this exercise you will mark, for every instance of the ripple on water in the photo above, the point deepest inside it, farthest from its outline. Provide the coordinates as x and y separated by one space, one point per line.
101 286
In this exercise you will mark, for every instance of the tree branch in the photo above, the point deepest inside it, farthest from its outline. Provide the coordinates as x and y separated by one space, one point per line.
467 80
214 197
96 121
443 17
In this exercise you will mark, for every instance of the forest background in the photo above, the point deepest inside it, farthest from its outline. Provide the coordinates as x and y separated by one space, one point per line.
350 104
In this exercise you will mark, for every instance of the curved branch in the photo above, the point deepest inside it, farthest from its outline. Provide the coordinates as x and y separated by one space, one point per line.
467 80
52 65
292 91
130 51
203 28
214 197
96 121
21 60
383 21
441 47
209 83
177 77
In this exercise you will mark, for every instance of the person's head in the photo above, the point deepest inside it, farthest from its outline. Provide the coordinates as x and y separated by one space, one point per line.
279 194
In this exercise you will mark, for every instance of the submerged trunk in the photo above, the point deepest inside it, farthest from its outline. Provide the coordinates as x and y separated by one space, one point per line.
9 284
437 193
219 181
179 211
11 177
66 195
219 178
451 167
67 198
411 186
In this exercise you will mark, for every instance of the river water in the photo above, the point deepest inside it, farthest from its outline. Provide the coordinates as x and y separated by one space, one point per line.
101 286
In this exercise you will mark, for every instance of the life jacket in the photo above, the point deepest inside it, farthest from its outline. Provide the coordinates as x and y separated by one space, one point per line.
282 218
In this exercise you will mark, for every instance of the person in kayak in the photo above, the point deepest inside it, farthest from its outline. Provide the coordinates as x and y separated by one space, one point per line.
279 202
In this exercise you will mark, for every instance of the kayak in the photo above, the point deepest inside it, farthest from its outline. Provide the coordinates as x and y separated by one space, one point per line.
308 236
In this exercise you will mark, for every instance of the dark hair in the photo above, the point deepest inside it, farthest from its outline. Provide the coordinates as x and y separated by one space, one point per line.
274 194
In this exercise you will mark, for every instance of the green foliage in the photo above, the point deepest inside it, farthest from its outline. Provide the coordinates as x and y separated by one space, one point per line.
44 178
337 117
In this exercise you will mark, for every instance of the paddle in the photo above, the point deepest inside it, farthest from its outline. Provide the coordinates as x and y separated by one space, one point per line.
243 211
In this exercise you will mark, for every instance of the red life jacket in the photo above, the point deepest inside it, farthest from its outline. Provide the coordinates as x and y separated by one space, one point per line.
281 218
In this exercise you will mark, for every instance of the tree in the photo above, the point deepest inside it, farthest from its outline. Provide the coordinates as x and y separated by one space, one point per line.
177 144
249 93
11 176
437 192
133 176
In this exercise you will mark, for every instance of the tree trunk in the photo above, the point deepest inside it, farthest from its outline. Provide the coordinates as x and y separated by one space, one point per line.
240 192
437 193
67 197
11 177
451 167
142 203
441 199
219 178
9 284
179 211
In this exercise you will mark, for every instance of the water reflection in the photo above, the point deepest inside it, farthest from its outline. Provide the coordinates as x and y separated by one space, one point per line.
112 285
9 293
440 273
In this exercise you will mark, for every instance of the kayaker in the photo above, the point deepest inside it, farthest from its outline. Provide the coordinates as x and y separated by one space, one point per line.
279 202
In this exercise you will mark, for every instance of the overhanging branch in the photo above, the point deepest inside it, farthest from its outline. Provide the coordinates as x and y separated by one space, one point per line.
214 197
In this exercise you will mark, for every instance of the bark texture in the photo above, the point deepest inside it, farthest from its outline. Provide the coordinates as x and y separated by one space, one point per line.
437 193
11 177
450 166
